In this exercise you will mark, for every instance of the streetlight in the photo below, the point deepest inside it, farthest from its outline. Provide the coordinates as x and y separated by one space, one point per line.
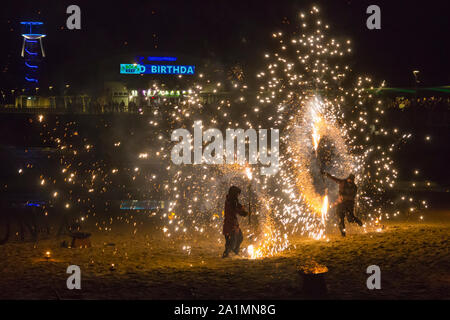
416 77
415 73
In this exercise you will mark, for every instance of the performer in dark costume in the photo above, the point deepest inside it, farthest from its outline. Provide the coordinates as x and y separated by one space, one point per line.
346 202
231 231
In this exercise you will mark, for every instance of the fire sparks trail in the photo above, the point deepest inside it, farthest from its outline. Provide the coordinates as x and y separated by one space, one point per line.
317 121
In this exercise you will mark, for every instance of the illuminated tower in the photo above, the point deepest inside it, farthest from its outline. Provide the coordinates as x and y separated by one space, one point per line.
32 50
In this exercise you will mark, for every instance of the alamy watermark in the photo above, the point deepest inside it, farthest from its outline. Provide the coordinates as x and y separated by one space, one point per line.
374 281
213 152
74 280
73 22
374 20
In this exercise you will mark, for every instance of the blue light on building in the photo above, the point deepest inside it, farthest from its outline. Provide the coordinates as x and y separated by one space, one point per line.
162 59
32 49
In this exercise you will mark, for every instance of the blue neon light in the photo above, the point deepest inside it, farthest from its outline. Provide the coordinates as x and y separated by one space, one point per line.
162 59
31 22
33 27
33 41
33 204
31 79
30 66
29 52
156 69
33 34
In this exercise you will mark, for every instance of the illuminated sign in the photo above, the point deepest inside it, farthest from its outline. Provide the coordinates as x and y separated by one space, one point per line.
132 68
156 69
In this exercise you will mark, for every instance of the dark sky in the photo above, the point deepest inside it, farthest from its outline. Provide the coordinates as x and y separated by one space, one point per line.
413 35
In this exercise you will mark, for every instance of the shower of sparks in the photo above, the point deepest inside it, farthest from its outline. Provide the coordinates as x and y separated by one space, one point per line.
329 121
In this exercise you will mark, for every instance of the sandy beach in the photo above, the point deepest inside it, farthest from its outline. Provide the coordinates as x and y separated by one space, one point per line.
413 257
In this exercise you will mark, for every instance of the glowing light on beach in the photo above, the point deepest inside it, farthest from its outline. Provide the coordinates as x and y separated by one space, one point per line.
47 255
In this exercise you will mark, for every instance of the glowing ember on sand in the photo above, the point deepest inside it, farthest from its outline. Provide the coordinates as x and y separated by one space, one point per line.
312 267
270 245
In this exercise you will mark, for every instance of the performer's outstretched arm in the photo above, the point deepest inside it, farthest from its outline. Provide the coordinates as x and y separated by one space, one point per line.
241 211
337 180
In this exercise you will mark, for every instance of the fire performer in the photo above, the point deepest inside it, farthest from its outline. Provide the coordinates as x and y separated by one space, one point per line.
345 204
231 231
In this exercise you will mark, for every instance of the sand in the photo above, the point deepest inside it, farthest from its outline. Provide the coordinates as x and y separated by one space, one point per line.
413 257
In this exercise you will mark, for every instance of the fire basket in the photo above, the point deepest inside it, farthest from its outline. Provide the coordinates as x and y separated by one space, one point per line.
313 276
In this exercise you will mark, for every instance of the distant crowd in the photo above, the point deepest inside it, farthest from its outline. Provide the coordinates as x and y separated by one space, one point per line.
95 107
433 103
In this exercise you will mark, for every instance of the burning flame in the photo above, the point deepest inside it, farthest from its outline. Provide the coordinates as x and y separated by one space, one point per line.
248 172
324 209
316 122
259 252
251 251
271 243
312 267
315 135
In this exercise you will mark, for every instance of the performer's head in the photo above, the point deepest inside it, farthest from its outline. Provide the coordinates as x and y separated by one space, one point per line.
351 177
233 192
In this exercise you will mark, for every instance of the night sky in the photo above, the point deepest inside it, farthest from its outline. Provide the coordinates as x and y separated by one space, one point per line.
413 36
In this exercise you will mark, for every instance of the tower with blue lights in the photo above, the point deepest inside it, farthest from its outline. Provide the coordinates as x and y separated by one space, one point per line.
32 50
